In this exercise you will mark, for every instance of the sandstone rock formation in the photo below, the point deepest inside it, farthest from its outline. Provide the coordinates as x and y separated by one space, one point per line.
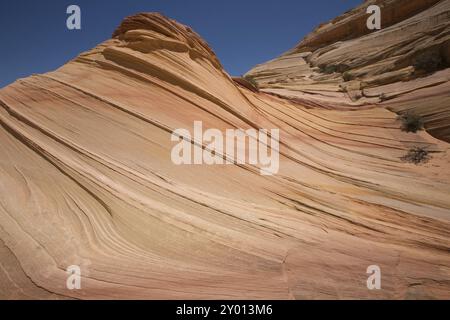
86 179
342 64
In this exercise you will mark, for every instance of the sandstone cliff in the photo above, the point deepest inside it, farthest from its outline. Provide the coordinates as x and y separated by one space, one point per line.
342 64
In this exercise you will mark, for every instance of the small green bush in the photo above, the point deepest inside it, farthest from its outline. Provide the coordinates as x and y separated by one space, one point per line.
411 122
347 76
417 155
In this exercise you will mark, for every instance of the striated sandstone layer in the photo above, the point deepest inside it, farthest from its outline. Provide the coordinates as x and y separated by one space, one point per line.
344 65
86 179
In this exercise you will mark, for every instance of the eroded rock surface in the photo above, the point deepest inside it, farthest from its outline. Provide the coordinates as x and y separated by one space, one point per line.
86 179
342 64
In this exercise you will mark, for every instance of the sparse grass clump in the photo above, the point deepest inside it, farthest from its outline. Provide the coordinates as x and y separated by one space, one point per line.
383 97
252 81
416 155
411 122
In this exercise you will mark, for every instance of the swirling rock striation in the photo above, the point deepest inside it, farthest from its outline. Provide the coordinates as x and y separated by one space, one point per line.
86 179
344 65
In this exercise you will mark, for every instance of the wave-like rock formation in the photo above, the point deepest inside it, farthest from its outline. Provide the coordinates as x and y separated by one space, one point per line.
86 179
343 64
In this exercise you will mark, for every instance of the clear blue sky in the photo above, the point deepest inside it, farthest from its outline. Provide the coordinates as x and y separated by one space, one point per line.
243 33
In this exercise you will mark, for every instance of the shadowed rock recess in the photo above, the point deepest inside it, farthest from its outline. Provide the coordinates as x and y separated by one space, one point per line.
86 177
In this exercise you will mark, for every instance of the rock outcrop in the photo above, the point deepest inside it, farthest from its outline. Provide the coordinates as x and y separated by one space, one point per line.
86 180
342 64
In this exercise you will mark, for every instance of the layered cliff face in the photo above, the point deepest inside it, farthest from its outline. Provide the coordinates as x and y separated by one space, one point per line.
86 179
343 64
